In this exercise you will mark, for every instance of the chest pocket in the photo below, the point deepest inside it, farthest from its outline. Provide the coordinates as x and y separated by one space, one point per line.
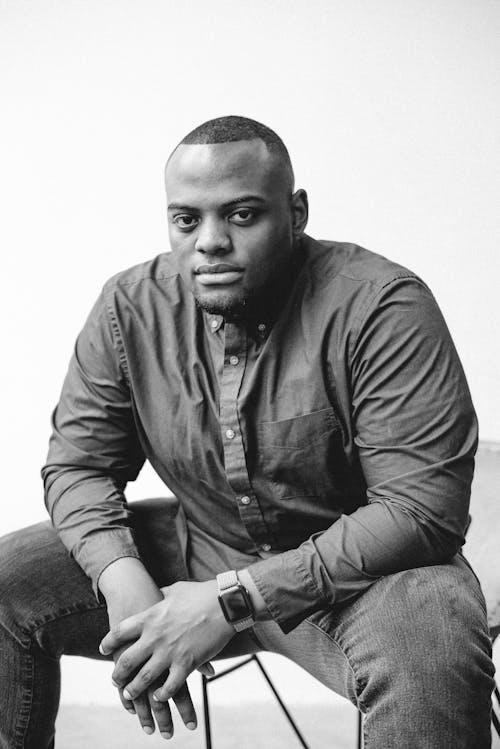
297 457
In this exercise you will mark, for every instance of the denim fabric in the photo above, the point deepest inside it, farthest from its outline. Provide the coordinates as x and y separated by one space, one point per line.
412 651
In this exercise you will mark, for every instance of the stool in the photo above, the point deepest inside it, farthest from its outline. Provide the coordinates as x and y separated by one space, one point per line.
206 680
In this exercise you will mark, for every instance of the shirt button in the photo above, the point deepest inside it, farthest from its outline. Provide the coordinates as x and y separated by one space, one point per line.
214 324
261 327
266 547
230 434
245 500
233 360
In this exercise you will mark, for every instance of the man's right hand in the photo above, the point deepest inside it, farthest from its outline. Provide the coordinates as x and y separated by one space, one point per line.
129 589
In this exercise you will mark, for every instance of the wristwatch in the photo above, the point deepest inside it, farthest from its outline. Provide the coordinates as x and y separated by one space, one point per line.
235 601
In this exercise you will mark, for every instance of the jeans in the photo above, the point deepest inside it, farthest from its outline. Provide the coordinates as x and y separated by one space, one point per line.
412 652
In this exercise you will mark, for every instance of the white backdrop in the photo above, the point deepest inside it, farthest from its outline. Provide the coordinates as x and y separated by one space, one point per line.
390 110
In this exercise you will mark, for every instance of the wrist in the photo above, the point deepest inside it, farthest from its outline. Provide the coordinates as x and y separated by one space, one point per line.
234 601
258 603
128 588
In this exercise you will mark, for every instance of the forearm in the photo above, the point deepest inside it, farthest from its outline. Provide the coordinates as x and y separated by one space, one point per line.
88 511
339 564
128 588
94 451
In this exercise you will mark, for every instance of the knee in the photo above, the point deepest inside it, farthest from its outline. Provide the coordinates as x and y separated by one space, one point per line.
427 624
21 572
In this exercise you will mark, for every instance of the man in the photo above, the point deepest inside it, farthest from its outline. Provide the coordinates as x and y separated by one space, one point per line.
304 402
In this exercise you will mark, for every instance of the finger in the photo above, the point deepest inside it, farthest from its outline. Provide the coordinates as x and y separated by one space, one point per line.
206 669
128 664
125 631
185 706
127 704
162 715
143 710
145 677
174 682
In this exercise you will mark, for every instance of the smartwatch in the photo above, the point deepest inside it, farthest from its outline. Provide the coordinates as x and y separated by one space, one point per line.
235 601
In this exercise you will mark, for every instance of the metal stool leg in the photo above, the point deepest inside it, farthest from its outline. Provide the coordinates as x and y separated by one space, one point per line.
205 681
494 718
360 730
281 703
206 713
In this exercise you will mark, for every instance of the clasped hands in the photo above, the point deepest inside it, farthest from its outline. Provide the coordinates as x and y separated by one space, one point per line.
156 650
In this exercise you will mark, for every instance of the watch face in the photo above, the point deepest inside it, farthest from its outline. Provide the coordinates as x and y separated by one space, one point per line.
235 604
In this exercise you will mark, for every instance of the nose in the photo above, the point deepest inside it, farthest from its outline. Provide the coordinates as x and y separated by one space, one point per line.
212 237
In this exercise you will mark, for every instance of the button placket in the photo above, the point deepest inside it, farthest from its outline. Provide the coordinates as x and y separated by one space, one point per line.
235 343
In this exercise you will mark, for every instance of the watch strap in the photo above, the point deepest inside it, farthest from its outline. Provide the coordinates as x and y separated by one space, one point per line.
227 580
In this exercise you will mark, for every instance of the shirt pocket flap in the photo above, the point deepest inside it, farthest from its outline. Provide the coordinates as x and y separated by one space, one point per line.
299 431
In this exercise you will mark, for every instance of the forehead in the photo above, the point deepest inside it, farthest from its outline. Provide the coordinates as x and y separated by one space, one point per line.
222 170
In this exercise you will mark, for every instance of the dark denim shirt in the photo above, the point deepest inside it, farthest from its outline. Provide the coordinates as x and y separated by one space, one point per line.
336 436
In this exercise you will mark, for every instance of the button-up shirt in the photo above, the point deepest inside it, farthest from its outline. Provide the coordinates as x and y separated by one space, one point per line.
335 437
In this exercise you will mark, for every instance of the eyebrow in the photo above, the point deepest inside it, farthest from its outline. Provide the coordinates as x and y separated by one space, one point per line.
236 201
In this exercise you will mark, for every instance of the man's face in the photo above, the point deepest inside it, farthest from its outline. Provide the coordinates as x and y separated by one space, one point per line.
232 222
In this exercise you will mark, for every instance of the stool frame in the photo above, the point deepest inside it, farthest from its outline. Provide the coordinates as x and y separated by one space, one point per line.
206 680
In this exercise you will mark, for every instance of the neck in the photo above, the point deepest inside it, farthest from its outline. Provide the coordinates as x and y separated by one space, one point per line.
267 304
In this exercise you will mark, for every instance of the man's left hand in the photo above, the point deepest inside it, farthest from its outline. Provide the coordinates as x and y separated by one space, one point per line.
178 635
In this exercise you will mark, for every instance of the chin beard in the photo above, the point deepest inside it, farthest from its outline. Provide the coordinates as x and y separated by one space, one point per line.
226 305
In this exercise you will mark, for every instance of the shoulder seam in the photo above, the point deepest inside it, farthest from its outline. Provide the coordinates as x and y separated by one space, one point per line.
363 312
115 332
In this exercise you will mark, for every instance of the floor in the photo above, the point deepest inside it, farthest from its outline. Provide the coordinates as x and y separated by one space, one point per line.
243 727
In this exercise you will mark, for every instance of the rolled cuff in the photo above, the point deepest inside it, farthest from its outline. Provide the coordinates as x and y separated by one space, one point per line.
288 589
98 550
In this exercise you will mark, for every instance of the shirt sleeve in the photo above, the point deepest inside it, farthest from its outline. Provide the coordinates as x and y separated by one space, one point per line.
94 450
415 432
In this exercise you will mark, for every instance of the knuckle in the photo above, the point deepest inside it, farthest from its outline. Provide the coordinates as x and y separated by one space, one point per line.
145 677
162 710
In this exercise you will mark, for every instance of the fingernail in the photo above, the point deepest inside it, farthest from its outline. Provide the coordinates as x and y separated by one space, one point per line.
148 729
127 695
130 710
191 725
166 734
114 683
156 698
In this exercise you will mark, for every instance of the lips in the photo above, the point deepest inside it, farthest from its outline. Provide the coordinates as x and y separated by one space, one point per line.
217 268
218 274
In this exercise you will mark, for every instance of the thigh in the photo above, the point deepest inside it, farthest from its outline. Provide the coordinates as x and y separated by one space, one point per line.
413 628
46 598
45 595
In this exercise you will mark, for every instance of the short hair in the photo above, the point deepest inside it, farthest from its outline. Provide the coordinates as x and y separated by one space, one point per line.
234 128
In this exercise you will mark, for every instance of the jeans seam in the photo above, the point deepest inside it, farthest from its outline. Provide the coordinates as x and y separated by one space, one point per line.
26 705
348 661
361 706
33 627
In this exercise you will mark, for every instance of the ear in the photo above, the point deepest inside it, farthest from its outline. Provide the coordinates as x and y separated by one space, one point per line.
300 212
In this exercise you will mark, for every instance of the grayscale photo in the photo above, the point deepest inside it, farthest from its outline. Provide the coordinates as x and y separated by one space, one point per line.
250 374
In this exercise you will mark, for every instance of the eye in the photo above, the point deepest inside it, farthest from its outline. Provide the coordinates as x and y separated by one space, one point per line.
185 222
243 216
